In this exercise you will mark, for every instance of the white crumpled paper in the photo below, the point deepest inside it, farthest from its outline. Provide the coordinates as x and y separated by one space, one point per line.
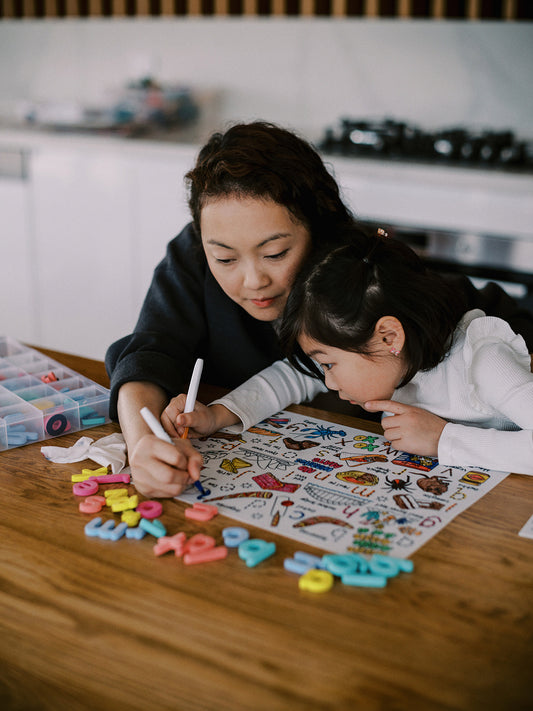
110 450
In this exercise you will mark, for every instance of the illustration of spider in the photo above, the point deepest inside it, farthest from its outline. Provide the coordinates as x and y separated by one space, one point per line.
326 432
398 484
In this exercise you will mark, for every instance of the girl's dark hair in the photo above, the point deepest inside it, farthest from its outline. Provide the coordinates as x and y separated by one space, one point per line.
261 160
340 296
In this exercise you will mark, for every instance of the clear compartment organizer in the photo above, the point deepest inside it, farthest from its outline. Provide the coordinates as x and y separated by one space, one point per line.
41 398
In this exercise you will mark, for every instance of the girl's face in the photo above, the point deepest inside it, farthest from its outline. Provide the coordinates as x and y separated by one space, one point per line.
357 378
254 249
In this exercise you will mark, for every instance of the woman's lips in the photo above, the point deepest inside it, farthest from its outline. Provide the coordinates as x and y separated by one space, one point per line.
263 303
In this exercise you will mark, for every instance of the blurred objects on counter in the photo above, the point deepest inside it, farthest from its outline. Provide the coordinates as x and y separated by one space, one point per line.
143 108
398 140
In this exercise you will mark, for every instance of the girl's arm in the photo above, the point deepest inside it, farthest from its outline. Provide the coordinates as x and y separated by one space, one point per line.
266 393
500 385
501 381
466 445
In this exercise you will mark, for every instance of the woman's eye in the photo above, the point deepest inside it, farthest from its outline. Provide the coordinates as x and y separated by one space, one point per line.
224 261
279 255
326 366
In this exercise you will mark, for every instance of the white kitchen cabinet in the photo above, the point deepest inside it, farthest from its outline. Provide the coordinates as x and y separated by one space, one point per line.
158 207
103 212
82 240
17 285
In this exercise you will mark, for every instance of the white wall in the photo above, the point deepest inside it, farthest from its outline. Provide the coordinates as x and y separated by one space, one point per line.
303 73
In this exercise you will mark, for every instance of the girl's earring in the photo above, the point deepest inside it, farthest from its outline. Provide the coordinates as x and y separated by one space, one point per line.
394 351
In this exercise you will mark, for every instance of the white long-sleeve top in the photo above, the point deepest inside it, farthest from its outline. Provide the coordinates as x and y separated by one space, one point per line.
483 387
268 392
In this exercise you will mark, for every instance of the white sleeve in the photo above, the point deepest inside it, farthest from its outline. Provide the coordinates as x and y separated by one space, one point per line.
464 445
268 392
501 379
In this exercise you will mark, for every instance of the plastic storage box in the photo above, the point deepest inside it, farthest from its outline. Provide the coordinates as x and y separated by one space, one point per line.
40 398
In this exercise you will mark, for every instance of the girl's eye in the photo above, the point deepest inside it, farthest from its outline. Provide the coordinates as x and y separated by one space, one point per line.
279 255
326 366
224 261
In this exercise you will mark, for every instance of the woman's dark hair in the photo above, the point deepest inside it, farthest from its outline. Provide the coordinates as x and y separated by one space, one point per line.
261 160
340 296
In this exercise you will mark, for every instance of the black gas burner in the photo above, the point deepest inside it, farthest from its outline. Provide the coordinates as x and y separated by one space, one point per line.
396 140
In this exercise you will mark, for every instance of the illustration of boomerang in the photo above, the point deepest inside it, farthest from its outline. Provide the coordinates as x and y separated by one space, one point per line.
244 494
321 519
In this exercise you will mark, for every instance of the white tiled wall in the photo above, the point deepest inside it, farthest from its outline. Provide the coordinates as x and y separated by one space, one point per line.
303 73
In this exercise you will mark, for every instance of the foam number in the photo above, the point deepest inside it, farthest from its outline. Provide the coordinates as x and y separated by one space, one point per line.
126 503
131 518
112 495
123 478
201 512
91 528
302 562
389 566
150 509
234 535
85 488
174 543
345 564
92 504
202 549
136 532
316 581
155 527
255 550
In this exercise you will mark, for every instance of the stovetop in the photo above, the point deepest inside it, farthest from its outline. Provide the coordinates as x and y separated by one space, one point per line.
389 139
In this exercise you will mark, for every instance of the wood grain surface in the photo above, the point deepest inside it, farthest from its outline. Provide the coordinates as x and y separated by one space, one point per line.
87 624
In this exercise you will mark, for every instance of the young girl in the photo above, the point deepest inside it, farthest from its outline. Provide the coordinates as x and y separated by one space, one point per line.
391 336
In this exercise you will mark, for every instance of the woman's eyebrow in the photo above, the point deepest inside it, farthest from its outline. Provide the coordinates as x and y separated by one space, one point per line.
279 235
272 238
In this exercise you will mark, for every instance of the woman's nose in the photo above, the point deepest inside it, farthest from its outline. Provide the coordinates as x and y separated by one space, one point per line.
255 277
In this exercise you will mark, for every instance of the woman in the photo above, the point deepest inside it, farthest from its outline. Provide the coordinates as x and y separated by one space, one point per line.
259 198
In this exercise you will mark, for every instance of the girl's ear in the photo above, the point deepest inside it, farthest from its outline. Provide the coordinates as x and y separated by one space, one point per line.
390 332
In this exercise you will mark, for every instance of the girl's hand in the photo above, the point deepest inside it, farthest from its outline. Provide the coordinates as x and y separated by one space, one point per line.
409 428
201 422
161 469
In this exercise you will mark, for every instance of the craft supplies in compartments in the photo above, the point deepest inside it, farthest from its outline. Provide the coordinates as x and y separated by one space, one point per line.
93 403
41 398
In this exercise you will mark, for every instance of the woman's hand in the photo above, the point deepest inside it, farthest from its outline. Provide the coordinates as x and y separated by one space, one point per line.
161 469
158 469
409 428
202 421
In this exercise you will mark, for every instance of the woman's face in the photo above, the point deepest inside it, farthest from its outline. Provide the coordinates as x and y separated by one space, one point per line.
254 249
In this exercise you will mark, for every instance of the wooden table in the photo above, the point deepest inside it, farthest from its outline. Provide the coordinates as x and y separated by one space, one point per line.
96 625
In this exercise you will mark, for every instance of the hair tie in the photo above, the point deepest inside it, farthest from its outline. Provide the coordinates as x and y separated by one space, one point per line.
380 232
